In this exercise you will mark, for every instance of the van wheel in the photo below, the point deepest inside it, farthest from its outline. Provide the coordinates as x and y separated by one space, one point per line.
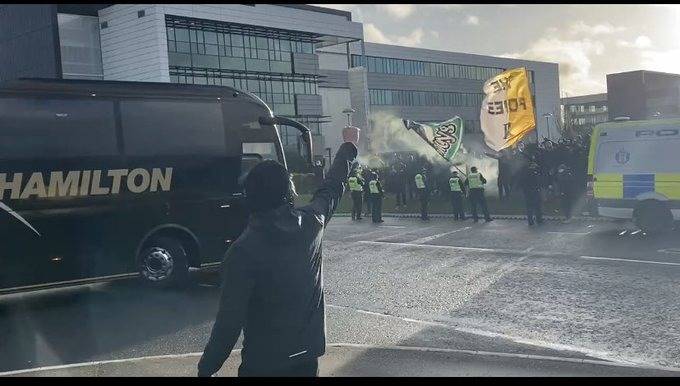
653 216
163 263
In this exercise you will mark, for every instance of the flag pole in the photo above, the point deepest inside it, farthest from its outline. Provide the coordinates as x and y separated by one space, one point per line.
533 104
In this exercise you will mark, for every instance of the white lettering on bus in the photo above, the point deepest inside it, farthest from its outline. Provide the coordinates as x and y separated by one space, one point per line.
158 180
60 186
14 186
83 183
117 175
132 180
34 187
97 190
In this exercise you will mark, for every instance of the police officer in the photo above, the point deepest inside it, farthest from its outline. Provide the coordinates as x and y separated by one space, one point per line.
475 183
422 194
356 183
457 188
531 187
376 196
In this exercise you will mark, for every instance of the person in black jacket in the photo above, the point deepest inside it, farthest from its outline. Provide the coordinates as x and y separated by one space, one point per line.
529 180
272 277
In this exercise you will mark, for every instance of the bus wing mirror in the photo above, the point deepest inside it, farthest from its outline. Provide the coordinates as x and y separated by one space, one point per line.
306 134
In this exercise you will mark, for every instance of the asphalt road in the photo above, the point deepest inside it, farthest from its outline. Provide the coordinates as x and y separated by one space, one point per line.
579 290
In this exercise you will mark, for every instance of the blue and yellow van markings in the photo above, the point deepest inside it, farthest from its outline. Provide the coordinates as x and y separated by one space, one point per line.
616 185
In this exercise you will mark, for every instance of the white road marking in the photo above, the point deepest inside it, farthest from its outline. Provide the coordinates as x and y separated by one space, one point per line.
95 363
398 234
442 247
423 240
513 338
364 346
670 250
629 260
361 234
519 252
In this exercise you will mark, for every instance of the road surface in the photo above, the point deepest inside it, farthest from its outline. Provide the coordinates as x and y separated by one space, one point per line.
578 290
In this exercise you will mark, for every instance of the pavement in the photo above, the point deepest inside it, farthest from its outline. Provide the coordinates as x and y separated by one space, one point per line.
583 291
346 360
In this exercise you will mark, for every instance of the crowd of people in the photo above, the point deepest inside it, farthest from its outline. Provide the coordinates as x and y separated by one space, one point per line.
540 171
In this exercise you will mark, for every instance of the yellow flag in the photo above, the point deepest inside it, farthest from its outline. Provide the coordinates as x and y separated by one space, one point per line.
507 113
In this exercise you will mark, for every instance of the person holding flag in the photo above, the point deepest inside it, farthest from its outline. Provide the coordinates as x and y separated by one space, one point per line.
457 188
475 183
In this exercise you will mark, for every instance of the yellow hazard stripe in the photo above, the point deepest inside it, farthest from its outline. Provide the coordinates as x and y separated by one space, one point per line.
608 185
668 184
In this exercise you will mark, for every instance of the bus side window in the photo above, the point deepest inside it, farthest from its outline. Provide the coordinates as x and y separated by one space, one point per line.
172 128
56 128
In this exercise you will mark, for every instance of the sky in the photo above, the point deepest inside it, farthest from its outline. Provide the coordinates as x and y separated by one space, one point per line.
588 41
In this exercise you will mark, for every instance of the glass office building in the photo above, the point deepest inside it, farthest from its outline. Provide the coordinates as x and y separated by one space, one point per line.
250 58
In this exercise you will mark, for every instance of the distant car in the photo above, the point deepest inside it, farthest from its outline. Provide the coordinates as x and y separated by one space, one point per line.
634 172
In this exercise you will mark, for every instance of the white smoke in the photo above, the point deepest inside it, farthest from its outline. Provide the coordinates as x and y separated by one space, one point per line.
388 135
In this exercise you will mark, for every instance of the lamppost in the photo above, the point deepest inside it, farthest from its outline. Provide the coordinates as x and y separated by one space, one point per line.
547 122
349 111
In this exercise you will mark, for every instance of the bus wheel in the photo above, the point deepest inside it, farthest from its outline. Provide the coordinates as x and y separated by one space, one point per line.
653 216
163 262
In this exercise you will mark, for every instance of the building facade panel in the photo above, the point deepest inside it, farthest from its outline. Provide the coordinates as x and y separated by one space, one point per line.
333 79
133 43
643 95
29 41
305 63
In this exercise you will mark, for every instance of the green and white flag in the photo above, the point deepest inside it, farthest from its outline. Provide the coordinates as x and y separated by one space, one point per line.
444 137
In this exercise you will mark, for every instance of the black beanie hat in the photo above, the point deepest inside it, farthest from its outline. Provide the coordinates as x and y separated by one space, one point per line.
267 186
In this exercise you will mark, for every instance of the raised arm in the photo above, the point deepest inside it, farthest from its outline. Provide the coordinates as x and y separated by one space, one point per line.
327 197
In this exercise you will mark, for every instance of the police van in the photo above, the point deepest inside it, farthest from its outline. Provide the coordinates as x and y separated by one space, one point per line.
634 168
104 180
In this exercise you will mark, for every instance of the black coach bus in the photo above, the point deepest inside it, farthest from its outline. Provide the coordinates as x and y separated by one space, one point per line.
102 180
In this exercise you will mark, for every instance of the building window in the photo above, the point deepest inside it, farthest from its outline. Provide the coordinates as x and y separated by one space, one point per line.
141 13
379 97
250 58
431 69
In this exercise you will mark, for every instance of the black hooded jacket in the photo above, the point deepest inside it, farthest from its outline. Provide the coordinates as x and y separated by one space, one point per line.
272 281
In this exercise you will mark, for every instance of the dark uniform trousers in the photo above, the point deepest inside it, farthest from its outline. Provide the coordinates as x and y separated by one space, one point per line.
376 207
368 200
307 368
422 196
401 196
357 204
533 205
457 203
477 198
